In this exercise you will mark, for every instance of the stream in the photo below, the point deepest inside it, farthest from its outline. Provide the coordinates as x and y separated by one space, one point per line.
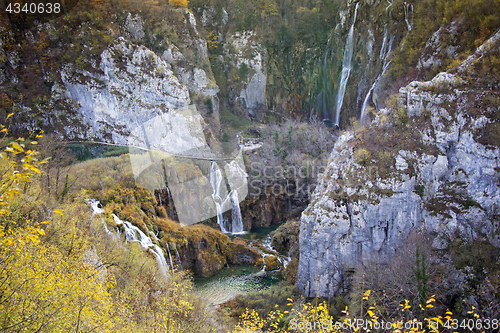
230 281
238 280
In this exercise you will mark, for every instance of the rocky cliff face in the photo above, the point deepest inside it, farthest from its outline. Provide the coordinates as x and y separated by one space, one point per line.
248 98
135 86
429 163
104 78
350 76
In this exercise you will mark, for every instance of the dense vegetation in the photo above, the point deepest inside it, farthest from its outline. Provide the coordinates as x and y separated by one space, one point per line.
60 271
464 25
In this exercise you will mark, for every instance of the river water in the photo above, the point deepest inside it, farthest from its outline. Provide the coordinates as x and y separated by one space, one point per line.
237 280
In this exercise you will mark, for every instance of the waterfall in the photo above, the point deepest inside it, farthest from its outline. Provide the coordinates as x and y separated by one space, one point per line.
134 234
408 10
177 254
170 257
237 223
384 43
95 206
217 182
96 210
264 255
385 51
170 204
385 66
281 258
346 67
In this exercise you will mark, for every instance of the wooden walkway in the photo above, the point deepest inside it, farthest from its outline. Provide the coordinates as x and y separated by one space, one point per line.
211 157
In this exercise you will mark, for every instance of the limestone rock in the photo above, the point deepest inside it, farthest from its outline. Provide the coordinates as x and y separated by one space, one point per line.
245 52
135 86
447 188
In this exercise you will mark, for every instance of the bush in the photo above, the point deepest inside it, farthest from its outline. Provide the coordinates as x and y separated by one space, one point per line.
362 156
179 3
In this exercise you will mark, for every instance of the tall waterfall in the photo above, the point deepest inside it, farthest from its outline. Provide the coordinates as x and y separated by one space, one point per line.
408 19
221 200
385 66
346 67
134 234
170 257
237 223
216 182
385 51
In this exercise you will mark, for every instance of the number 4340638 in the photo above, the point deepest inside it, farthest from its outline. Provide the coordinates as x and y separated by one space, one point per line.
33 8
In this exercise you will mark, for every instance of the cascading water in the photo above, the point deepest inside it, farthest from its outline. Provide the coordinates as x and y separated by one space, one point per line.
408 10
385 51
385 66
177 254
346 67
96 210
170 257
289 198
159 199
216 180
282 259
384 43
134 234
237 223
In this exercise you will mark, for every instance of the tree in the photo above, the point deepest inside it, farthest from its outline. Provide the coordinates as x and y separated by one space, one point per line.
40 289
421 277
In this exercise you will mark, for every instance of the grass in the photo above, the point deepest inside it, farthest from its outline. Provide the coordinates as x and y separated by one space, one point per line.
232 123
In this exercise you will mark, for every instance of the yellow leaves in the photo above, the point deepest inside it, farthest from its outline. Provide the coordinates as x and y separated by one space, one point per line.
405 306
212 41
17 147
30 167
250 321
431 300
179 3
33 238
58 211
51 290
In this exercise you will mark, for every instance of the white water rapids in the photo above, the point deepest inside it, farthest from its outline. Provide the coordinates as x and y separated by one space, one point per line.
133 234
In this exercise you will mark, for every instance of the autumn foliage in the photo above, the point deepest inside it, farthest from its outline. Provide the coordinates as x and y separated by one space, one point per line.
179 3
60 272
